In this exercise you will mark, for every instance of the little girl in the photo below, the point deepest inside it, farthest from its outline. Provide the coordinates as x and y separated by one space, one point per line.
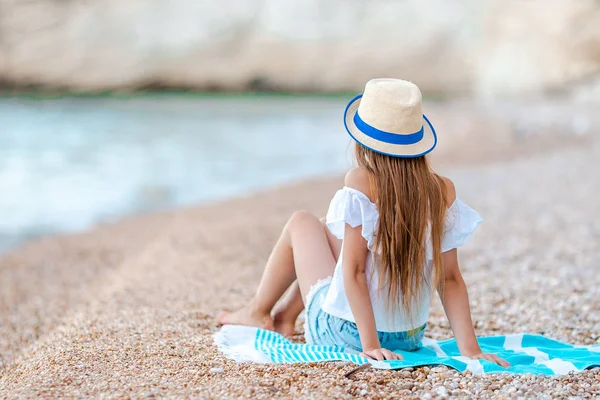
390 240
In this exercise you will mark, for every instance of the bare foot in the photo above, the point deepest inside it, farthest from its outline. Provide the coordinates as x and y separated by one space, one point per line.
245 316
283 325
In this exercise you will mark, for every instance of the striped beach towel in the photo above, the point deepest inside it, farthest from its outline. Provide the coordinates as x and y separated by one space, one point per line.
527 354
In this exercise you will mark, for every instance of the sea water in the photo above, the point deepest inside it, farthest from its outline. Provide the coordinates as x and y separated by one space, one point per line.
69 163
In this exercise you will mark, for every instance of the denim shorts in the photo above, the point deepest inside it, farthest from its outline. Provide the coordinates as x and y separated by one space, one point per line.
323 329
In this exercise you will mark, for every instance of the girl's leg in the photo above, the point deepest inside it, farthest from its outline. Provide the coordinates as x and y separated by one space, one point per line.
287 311
302 252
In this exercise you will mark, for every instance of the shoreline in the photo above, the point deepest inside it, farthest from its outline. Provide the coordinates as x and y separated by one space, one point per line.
469 132
492 156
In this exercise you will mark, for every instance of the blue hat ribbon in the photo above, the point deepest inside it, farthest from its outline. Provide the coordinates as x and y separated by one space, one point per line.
387 137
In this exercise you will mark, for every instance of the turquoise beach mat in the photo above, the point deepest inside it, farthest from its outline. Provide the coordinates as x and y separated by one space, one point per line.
527 354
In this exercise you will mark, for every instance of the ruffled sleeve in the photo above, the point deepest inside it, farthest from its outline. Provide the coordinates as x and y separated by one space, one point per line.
461 222
352 207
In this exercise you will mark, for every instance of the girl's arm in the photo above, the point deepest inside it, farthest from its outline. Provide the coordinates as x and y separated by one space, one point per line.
355 279
357 292
456 304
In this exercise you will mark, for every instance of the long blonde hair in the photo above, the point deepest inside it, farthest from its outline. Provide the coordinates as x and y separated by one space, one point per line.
410 197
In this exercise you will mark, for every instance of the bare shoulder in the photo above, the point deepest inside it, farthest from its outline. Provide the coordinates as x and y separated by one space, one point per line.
358 178
450 190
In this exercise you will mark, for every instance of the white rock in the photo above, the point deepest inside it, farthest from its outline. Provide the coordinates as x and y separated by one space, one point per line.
488 47
442 391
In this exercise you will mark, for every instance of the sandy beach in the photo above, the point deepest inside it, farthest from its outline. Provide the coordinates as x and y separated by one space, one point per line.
127 310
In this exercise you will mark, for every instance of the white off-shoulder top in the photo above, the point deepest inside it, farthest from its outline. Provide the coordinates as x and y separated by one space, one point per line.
352 207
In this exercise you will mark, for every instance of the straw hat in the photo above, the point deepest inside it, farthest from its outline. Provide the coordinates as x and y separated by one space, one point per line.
387 119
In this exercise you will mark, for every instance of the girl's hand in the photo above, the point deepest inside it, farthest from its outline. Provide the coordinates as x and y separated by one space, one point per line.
491 357
381 354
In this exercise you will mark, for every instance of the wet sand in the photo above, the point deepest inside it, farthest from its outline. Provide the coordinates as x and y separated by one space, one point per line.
127 310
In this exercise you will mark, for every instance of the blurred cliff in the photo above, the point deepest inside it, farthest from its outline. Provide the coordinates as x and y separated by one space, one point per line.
487 48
